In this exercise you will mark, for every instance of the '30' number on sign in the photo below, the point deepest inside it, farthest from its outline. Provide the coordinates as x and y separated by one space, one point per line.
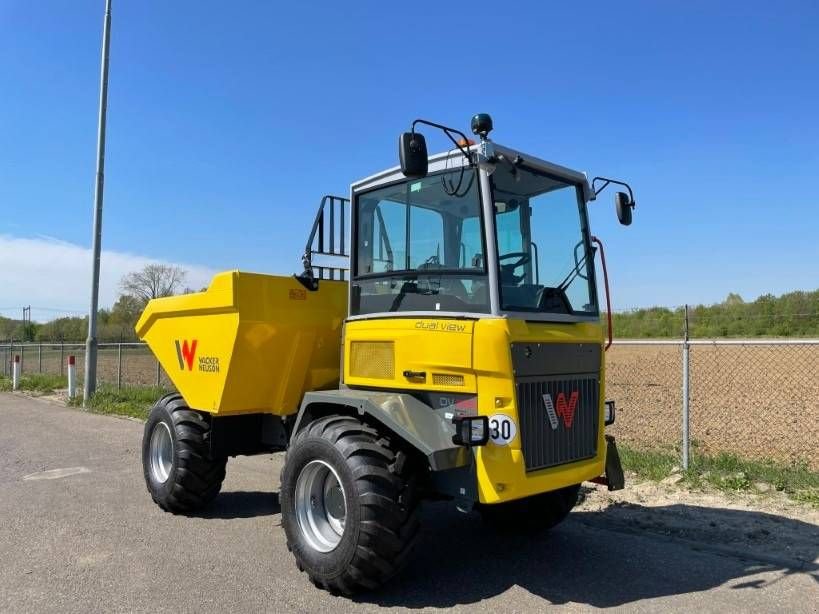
502 429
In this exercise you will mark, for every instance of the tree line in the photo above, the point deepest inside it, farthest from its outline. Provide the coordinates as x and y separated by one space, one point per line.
795 314
114 324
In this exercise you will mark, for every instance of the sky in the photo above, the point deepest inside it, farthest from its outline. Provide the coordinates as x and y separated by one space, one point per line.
229 120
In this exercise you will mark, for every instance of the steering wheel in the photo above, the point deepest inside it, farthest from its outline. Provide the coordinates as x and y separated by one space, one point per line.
508 276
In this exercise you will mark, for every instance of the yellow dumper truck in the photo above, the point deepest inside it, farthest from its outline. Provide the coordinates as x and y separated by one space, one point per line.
444 341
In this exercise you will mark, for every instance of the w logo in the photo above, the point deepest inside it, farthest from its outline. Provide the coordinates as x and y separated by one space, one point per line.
563 408
186 353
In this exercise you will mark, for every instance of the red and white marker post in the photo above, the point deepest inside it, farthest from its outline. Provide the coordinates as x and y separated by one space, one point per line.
72 377
15 372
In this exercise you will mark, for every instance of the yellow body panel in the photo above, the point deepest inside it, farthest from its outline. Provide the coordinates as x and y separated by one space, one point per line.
249 343
442 347
480 351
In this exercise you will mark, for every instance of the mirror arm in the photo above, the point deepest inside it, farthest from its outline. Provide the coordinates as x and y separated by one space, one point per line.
615 181
448 132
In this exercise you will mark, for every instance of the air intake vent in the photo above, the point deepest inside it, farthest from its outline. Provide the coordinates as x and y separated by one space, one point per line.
445 379
373 359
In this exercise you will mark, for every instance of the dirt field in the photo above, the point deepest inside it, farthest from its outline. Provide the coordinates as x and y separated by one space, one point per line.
757 401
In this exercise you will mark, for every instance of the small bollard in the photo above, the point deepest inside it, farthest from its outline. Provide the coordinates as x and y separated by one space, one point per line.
72 378
15 373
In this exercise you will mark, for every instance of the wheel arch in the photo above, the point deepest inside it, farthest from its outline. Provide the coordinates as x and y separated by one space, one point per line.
413 422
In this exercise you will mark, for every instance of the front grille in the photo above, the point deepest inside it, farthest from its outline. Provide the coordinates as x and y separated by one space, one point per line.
560 431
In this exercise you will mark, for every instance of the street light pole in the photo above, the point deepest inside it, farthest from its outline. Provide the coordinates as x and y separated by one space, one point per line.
90 382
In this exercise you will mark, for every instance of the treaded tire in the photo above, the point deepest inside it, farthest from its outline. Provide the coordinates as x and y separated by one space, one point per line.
194 478
532 514
382 507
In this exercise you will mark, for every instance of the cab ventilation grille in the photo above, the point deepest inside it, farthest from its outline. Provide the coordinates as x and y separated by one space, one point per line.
445 379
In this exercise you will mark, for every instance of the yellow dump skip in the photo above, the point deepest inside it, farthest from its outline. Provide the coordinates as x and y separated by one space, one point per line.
249 343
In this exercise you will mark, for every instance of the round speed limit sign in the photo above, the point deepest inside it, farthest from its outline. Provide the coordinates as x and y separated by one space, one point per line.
502 429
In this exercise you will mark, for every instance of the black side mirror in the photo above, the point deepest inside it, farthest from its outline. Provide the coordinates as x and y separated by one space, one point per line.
412 151
624 205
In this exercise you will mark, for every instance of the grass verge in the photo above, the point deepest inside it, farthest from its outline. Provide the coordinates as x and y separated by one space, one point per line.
727 473
36 382
135 402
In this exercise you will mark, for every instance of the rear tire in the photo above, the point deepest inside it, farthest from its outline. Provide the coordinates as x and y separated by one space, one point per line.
349 505
532 514
179 471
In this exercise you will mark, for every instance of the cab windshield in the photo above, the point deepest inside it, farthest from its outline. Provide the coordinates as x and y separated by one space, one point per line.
544 259
420 246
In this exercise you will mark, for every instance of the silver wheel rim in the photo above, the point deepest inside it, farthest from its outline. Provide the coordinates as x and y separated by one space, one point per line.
161 452
321 506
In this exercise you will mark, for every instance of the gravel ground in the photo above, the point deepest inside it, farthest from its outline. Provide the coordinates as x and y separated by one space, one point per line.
79 533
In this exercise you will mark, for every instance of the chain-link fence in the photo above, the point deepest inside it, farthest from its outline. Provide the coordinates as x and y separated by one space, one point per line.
118 364
756 398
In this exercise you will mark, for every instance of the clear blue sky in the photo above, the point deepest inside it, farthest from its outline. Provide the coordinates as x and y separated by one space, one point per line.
229 120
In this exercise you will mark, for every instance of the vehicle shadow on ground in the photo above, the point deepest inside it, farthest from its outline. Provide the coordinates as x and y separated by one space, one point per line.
241 504
458 561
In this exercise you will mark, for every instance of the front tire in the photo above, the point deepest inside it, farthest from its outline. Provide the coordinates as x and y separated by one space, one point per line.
349 505
179 471
532 514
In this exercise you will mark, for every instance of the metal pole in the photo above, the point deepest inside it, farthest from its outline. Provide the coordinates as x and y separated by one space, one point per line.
39 358
90 382
685 394
119 366
157 373
61 358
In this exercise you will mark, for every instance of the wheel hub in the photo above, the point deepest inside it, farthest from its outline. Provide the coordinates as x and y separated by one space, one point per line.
321 506
161 453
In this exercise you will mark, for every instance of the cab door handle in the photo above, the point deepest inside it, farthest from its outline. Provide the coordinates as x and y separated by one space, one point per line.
415 374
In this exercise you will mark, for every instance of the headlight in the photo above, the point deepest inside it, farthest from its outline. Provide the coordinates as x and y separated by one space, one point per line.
471 431
609 413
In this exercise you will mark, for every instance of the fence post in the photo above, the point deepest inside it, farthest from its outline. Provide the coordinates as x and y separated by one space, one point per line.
158 368
22 356
685 394
15 373
72 378
119 365
61 359
39 358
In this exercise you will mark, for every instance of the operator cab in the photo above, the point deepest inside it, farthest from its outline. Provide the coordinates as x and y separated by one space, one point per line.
478 231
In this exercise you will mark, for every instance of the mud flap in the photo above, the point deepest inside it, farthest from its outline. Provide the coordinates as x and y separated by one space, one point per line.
614 470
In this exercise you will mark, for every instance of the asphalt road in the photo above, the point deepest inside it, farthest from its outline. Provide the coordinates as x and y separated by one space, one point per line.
88 538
